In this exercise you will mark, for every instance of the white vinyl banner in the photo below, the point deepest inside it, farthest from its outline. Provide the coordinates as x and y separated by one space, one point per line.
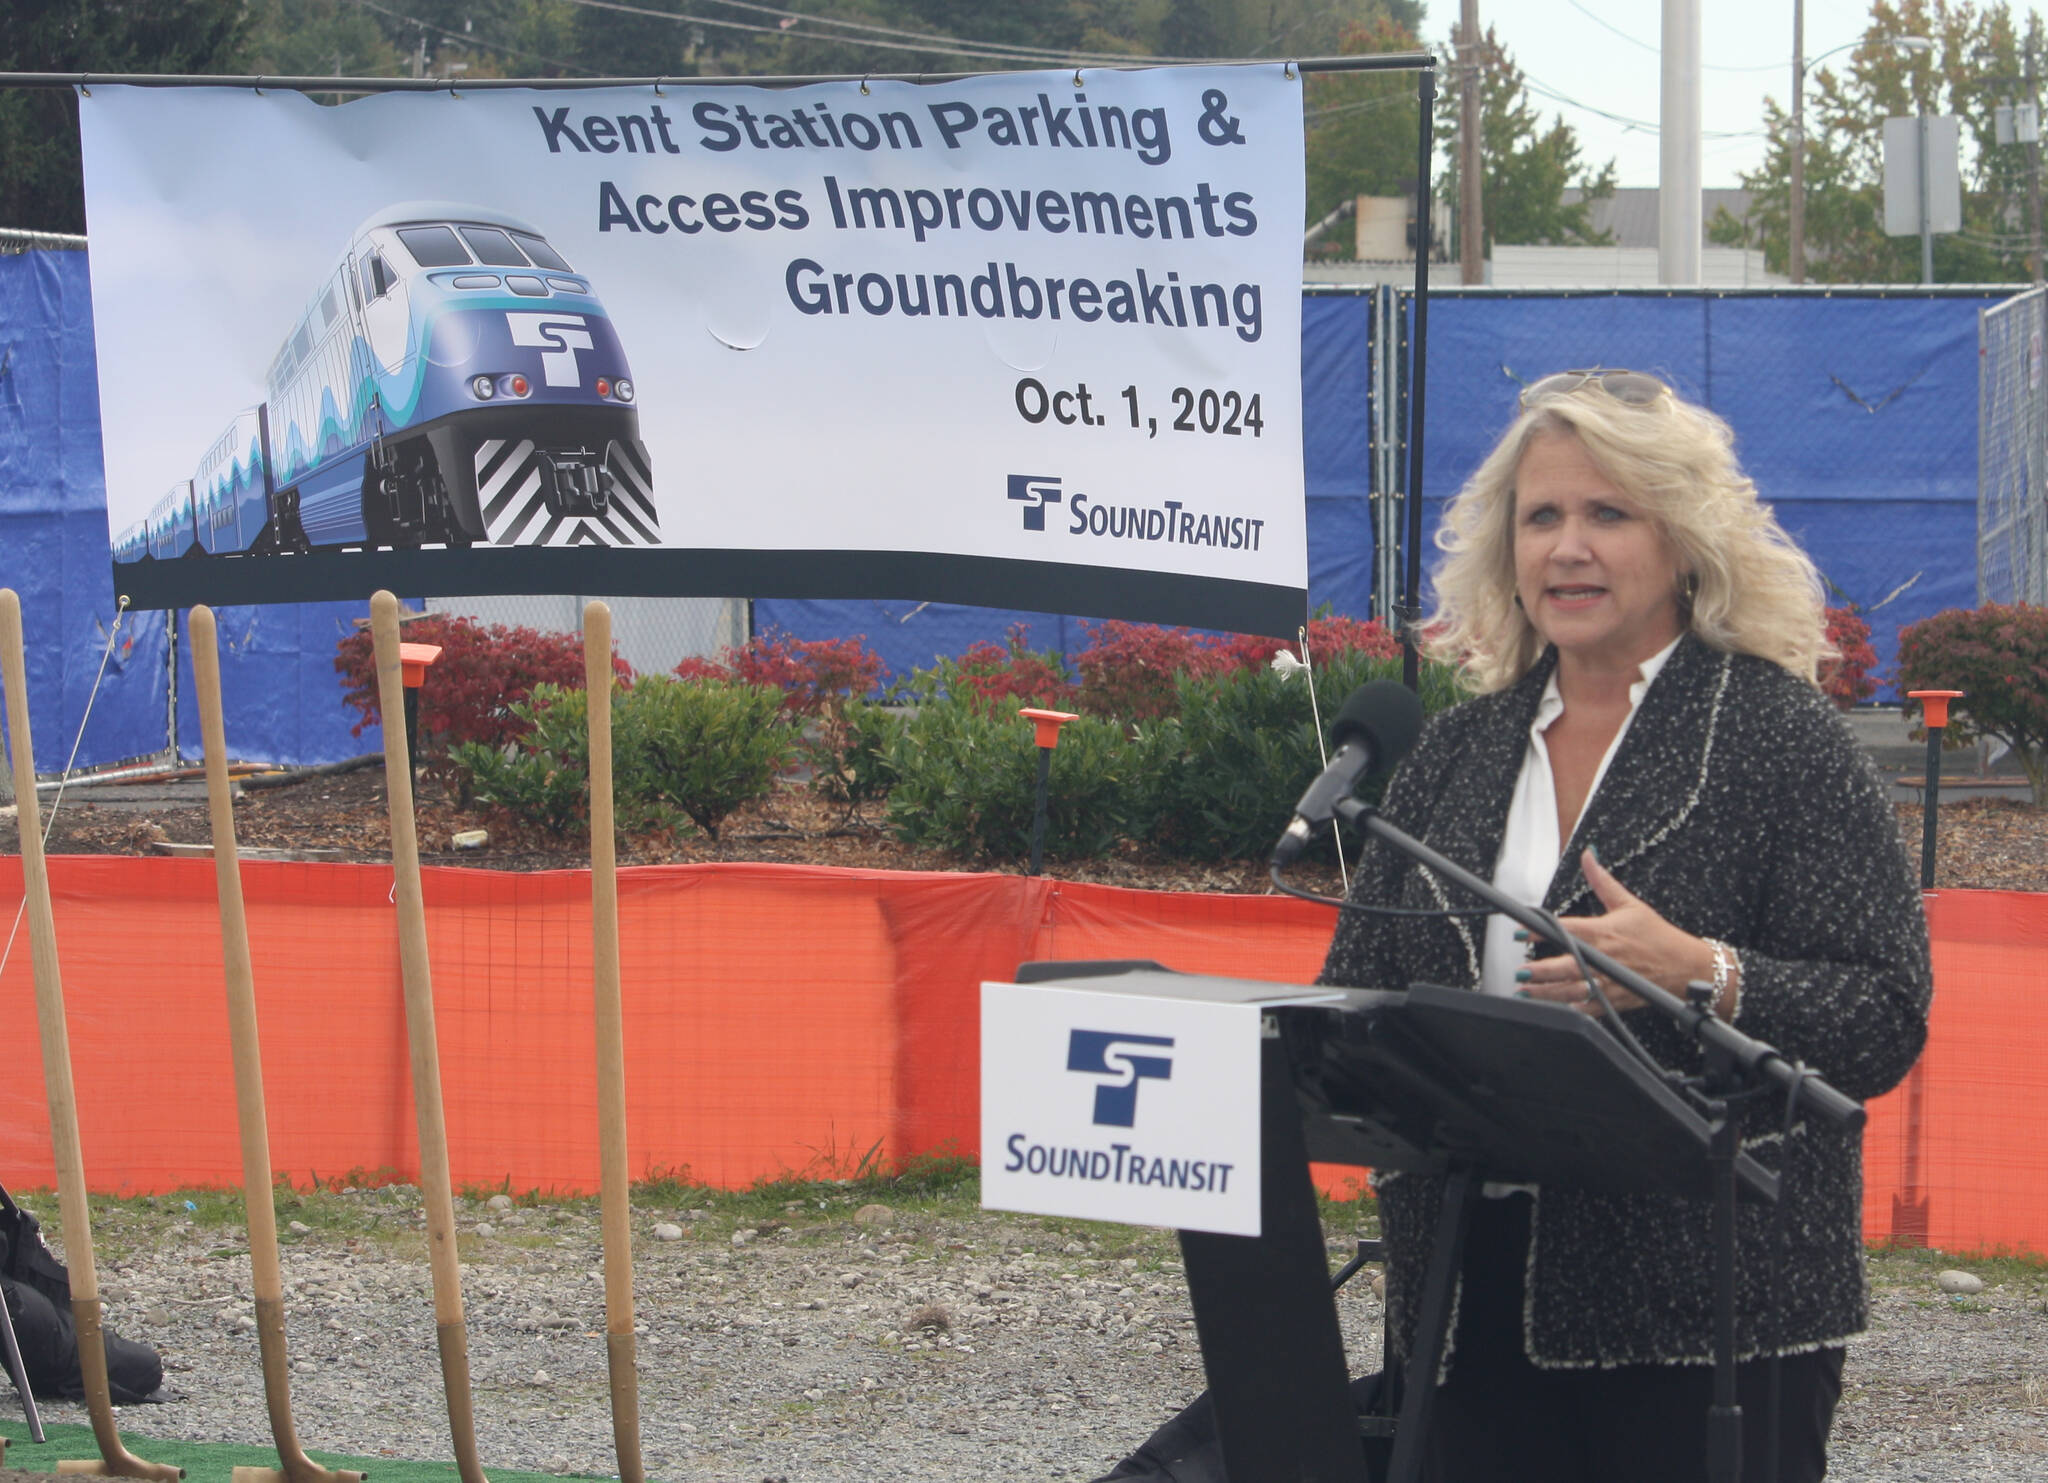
1114 1106
1030 339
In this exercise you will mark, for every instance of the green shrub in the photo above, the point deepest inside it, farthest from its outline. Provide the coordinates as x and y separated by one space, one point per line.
543 776
1248 750
699 747
966 781
847 748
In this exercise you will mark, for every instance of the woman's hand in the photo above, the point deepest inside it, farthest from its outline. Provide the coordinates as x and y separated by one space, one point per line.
1631 933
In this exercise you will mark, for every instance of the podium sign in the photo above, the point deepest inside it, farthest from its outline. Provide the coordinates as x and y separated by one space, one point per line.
1114 1106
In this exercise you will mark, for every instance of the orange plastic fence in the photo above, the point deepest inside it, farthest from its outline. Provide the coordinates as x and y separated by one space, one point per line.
779 1018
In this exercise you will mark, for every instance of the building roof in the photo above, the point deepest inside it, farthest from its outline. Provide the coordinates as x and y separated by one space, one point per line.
1631 212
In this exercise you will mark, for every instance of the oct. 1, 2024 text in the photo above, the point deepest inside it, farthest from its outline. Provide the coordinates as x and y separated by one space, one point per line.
1204 410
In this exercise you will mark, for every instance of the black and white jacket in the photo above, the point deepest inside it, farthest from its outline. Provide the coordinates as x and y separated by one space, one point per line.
1739 807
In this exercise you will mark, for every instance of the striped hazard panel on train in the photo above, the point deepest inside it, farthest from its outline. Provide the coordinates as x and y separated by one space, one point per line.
532 496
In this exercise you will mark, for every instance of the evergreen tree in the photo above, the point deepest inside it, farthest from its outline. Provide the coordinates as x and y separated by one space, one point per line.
41 187
1525 167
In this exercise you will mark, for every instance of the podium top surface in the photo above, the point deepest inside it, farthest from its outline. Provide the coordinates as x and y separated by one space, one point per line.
1153 982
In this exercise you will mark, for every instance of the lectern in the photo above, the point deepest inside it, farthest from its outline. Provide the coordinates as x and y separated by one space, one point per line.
1431 1080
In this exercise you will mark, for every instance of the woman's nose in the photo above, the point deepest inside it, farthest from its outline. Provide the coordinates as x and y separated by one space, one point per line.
1571 542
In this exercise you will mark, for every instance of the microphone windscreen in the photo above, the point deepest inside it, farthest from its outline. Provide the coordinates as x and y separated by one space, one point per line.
1386 714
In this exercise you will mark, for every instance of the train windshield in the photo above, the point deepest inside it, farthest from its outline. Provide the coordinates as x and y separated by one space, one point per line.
433 247
493 248
543 255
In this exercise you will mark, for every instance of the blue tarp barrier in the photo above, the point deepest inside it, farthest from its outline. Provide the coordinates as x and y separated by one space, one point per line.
53 525
280 695
1856 415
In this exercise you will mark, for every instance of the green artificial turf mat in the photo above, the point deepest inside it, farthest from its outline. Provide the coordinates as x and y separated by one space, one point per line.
212 1462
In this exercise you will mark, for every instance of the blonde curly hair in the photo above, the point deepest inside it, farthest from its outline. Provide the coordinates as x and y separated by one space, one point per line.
1757 592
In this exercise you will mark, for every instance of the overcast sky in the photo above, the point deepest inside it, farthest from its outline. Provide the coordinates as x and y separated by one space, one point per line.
1603 55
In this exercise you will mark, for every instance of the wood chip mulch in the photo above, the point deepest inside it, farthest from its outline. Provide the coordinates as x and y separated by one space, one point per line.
1990 844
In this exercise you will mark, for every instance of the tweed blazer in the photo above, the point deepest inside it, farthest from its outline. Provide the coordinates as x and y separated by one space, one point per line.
1739 807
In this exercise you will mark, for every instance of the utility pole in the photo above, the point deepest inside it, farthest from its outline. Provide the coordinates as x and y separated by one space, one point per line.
1678 184
1471 222
419 57
1798 199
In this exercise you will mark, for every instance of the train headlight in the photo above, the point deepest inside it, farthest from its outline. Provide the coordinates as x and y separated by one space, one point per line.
623 389
483 387
519 386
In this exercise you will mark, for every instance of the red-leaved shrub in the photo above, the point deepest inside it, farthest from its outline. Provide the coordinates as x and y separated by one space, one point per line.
1128 670
1009 675
812 674
1997 655
1848 679
484 670
1327 638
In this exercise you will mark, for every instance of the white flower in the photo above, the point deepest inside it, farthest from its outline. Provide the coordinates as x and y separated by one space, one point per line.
1287 666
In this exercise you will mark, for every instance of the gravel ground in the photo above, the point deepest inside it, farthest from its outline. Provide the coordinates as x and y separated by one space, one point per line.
827 1337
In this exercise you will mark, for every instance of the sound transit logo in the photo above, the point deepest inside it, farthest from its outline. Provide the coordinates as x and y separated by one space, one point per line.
1038 491
1106 1053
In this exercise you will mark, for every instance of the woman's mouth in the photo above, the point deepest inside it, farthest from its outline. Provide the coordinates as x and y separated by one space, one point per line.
1575 596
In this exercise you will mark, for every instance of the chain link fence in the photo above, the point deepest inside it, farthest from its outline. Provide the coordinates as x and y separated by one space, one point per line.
2012 450
653 634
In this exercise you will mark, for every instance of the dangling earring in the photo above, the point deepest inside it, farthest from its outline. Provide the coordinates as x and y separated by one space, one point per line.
1688 592
1518 600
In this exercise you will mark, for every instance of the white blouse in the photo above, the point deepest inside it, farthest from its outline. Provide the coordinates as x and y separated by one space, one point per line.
1529 846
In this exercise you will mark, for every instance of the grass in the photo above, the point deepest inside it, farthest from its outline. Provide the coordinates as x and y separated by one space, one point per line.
1899 1266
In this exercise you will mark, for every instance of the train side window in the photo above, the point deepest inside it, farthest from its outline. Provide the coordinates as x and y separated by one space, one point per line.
543 255
493 248
433 247
377 278
328 307
302 342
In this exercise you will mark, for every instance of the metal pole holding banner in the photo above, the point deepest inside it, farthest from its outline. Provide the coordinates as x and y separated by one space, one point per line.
1410 61
1411 597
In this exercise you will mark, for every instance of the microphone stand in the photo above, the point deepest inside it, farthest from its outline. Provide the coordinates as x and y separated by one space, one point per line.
1737 1065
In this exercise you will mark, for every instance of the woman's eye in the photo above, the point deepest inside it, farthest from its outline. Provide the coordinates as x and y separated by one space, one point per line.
1541 515
1609 515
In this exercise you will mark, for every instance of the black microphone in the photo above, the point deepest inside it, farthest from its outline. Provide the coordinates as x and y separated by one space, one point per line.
1374 730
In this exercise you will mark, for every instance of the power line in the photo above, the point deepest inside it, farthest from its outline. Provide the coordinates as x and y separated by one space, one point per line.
1608 25
941 45
468 39
792 18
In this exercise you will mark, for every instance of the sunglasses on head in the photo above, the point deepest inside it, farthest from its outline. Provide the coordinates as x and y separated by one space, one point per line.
1633 387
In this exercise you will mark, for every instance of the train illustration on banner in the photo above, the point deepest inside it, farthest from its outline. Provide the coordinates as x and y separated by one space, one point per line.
452 382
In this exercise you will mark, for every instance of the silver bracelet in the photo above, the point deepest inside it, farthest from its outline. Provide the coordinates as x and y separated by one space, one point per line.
1727 971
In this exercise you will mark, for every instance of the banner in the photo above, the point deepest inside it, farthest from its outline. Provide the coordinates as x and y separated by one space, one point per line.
1029 340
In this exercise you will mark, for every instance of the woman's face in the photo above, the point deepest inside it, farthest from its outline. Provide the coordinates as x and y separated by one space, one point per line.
1595 574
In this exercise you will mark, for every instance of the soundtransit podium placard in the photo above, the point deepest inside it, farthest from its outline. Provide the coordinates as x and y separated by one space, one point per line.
1116 1106
1029 339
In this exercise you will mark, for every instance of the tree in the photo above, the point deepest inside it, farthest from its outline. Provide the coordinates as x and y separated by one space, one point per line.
1978 61
1526 168
1361 125
41 185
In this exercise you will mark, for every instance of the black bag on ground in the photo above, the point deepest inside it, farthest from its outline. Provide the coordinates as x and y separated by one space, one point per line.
38 1296
1186 1449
